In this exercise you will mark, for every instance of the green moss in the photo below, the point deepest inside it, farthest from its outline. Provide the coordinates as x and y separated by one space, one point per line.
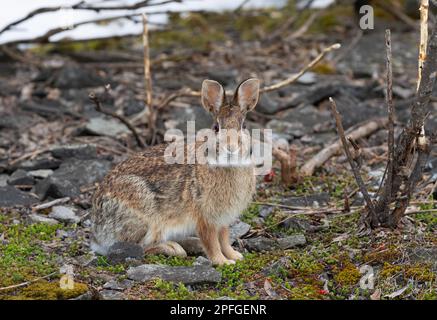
171 291
22 256
305 292
391 254
104 265
44 290
170 261
250 214
349 275
390 270
420 272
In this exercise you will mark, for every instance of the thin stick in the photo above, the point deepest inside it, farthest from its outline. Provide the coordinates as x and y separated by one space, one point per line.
125 121
424 5
27 282
296 76
50 204
390 110
148 80
357 175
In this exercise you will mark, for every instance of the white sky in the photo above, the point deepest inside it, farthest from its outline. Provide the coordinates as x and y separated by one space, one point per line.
38 25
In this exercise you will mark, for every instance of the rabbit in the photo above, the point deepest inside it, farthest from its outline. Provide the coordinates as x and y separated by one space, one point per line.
147 201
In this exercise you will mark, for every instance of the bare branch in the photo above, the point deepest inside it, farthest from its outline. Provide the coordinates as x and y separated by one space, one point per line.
357 175
296 76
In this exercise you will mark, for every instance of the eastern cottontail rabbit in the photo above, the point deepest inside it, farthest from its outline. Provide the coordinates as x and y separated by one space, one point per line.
150 202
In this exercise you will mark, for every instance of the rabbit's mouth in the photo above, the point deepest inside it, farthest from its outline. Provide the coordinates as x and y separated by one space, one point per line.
227 158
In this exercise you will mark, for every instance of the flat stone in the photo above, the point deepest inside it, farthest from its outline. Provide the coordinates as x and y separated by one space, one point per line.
64 214
105 127
10 196
77 151
70 177
38 163
4 180
21 177
76 76
36 218
41 173
120 251
187 275
118 285
262 244
267 104
313 200
292 241
111 295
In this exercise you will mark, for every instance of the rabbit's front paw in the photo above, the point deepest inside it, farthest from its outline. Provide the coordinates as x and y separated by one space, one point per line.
221 260
233 255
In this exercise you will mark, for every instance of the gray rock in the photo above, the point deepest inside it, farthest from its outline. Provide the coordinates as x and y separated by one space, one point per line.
87 259
41 174
106 294
238 229
186 275
191 245
71 175
267 104
37 164
77 151
4 180
299 224
118 285
196 113
202 261
276 267
262 244
36 218
86 296
225 77
265 211
21 177
314 200
10 196
105 127
76 76
64 214
120 251
290 130
292 241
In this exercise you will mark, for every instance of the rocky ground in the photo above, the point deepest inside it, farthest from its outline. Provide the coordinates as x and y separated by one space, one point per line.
299 242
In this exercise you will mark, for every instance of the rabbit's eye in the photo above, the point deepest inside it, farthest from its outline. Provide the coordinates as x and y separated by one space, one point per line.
244 126
216 128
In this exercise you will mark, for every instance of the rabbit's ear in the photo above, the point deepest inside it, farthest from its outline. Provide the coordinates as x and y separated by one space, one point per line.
247 94
213 96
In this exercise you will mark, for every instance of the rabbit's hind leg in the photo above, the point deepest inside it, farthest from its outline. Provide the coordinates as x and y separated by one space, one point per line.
169 248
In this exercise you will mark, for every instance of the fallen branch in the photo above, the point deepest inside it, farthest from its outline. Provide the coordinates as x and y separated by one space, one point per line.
333 149
50 204
124 120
